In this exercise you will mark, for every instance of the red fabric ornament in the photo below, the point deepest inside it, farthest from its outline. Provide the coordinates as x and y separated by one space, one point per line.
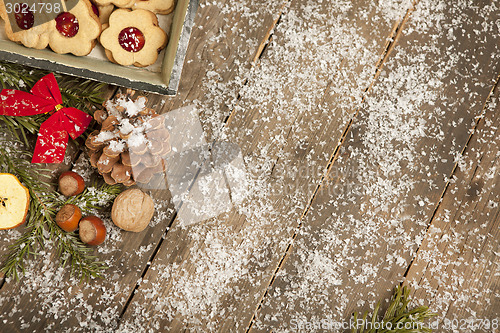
46 97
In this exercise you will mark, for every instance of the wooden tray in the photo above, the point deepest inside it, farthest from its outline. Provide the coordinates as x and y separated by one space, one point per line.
164 82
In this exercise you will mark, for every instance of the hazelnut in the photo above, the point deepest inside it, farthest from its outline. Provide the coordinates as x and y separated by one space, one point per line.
68 217
132 210
92 230
71 183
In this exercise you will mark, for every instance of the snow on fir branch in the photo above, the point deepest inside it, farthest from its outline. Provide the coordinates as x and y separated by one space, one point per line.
76 92
40 226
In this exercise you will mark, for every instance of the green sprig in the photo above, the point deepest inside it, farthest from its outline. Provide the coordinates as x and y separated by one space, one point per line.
397 319
40 221
18 76
94 197
78 93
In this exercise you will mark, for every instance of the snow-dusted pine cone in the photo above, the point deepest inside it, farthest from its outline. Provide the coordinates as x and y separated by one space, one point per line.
131 145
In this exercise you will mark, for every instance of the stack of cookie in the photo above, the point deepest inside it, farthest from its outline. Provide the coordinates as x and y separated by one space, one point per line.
127 29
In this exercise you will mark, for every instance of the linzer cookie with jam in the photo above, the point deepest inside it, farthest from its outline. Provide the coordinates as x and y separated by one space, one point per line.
28 28
156 6
103 12
76 30
133 38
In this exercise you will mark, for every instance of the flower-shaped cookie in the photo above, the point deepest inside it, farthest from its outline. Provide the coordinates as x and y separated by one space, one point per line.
75 31
133 37
156 6
117 3
31 32
102 12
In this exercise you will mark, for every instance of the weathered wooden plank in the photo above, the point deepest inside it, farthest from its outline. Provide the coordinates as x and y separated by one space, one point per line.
61 303
456 268
366 223
212 275
225 44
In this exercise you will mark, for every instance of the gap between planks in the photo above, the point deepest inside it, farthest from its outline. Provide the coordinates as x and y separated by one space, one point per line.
389 46
473 131
258 55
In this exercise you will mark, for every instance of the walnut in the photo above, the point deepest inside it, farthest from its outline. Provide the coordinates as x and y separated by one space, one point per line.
132 210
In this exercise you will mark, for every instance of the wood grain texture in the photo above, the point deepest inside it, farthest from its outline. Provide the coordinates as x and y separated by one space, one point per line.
367 221
287 114
310 80
456 268
62 303
226 40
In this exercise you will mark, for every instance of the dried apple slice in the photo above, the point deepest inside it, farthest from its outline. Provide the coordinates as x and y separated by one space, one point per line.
14 201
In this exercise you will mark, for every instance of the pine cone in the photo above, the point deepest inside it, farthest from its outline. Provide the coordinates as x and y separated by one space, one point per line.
131 145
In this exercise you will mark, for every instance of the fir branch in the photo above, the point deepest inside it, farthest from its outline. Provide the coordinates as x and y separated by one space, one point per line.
18 76
398 318
71 251
21 127
79 93
94 197
40 222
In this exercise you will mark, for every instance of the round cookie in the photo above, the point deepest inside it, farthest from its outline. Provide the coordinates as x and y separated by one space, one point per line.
133 37
156 6
32 33
75 31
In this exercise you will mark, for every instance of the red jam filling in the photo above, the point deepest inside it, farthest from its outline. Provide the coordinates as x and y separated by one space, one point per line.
67 24
131 39
25 20
95 9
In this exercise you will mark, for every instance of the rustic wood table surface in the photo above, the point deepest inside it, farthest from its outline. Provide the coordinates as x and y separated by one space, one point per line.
370 135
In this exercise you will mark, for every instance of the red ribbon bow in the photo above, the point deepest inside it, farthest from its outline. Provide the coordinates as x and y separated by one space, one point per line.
53 134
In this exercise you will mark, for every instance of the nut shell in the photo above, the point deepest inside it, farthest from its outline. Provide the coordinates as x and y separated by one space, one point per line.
92 230
71 183
132 210
68 217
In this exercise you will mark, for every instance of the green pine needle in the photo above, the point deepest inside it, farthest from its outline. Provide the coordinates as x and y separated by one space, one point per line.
397 319
40 225
40 222
94 197
79 93
18 76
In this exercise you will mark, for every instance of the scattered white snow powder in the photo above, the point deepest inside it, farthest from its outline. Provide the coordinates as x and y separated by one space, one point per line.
288 113
117 146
